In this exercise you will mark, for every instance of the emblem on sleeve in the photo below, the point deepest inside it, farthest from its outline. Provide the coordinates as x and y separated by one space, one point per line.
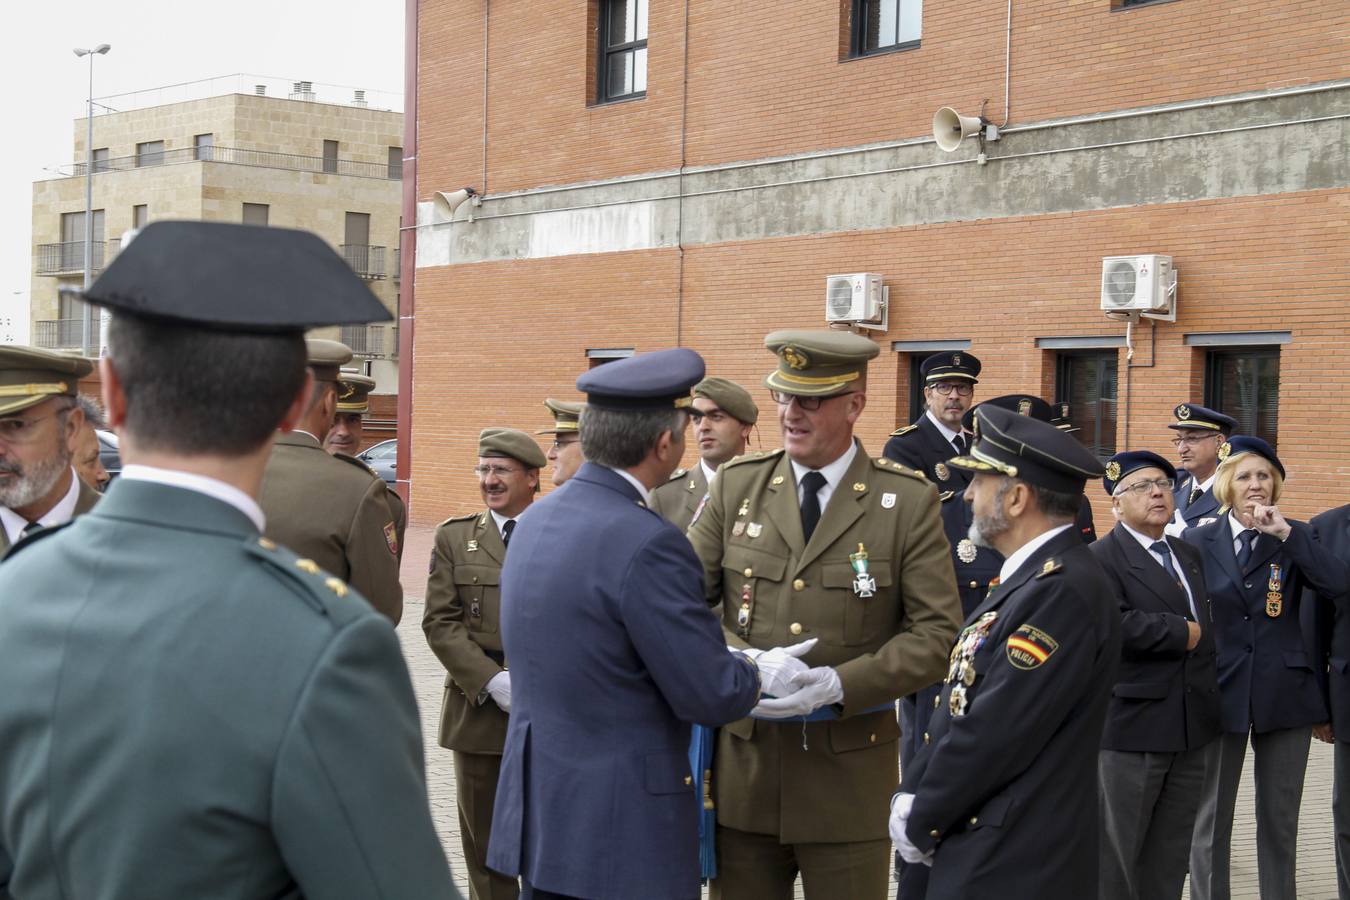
391 538
1029 647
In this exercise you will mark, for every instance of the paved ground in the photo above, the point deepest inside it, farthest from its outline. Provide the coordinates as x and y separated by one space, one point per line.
1317 864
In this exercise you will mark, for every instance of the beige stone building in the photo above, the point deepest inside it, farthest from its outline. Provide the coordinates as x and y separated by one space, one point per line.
296 161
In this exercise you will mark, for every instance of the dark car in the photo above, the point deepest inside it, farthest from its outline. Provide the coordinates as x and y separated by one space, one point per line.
382 458
109 454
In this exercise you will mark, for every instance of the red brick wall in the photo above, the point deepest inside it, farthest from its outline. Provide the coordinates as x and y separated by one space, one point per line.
766 77
494 339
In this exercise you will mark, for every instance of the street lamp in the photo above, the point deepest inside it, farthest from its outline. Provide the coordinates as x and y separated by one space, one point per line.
89 348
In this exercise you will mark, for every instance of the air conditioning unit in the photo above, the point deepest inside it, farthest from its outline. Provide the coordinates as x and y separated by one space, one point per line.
859 299
1134 286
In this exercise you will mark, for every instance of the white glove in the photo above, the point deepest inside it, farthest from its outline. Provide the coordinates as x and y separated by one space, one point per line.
499 689
818 687
901 804
780 670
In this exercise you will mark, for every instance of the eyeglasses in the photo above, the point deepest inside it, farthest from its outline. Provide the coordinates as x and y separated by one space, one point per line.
558 445
945 388
1146 487
495 471
1192 441
14 430
810 404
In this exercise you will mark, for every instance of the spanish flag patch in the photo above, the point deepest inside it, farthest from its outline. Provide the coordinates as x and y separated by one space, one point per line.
1029 647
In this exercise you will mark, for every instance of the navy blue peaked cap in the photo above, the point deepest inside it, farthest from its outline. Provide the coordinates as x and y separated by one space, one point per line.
657 380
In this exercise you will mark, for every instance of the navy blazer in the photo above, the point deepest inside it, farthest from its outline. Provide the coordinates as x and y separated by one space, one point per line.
1000 788
1166 697
614 654
1267 677
922 447
1206 506
1332 529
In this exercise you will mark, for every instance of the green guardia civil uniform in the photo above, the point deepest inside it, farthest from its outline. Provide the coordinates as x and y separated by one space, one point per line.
679 498
462 626
814 783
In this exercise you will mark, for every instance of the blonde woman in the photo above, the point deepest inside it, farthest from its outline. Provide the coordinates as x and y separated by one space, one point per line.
1256 564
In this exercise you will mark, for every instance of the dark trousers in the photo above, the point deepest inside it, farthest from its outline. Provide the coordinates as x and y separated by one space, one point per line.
916 711
757 867
1148 807
1280 759
1340 814
475 792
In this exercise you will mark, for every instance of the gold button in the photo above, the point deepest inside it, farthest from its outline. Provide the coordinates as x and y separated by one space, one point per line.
935 833
795 628
688 779
799 585
307 565
974 584
974 820
871 738
937 701
475 579
925 737
267 544
749 572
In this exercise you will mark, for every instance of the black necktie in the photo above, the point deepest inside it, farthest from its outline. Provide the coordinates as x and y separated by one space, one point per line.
1245 553
1195 495
812 482
960 443
1161 548
507 527
30 528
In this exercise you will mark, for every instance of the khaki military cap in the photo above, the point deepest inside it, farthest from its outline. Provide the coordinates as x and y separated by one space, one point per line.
512 444
818 363
730 397
327 358
566 416
29 375
353 393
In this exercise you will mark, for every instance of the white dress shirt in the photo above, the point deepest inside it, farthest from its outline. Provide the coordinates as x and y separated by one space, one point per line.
832 472
708 471
1023 553
501 520
1178 524
211 487
645 494
1147 543
945 431
59 514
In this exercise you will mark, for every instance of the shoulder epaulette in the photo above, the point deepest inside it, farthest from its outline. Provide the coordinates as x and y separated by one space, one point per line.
305 576
358 463
31 539
753 456
945 496
677 474
905 430
463 518
1050 567
890 465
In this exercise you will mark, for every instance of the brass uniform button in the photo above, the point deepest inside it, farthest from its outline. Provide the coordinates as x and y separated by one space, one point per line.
799 585
934 833
267 544
974 820
795 628
688 779
937 701
871 738
749 572
475 579
307 565
974 584
925 737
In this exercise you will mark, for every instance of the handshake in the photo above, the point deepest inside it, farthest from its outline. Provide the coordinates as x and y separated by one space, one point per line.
791 687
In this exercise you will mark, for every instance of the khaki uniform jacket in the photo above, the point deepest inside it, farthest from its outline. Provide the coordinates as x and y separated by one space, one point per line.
462 625
679 498
83 503
749 538
335 514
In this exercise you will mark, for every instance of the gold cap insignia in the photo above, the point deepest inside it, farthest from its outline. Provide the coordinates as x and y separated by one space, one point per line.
1113 470
1224 449
1183 411
794 357
307 565
777 479
348 390
956 359
1024 407
336 586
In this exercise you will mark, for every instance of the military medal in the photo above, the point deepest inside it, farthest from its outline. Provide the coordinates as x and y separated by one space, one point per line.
743 614
1275 598
965 550
864 585
754 529
738 529
962 660
942 472
957 701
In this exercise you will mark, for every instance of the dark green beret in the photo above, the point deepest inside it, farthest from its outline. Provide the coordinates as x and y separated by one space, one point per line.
511 444
729 397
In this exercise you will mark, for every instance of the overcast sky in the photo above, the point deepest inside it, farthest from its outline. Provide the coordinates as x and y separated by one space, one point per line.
156 43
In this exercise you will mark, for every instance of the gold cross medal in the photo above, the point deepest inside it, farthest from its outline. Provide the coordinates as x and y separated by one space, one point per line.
864 585
1274 597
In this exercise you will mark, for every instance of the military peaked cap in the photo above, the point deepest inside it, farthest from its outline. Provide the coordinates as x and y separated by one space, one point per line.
816 363
1026 448
950 365
29 375
657 380
1193 415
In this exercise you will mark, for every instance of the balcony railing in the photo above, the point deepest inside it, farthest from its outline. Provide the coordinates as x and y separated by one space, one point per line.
63 334
264 159
374 341
67 257
365 260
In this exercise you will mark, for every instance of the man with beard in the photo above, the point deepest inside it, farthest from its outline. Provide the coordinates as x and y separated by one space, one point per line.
462 625
723 415
40 421
565 454
995 800
87 452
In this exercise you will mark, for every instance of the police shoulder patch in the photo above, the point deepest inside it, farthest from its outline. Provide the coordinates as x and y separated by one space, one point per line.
1028 647
902 431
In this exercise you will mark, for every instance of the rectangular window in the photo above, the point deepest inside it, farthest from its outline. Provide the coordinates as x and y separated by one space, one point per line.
201 146
1245 384
255 214
623 49
100 159
1086 381
150 153
140 215
72 241
880 26
330 156
395 163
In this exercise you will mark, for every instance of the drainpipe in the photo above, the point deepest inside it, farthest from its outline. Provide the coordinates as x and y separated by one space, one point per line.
407 256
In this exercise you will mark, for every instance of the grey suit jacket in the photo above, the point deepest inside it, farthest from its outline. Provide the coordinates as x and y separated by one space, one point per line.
189 713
